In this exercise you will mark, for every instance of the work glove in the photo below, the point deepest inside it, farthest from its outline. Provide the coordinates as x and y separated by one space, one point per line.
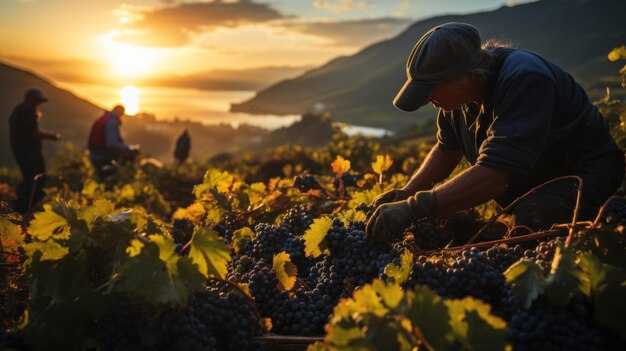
390 220
390 196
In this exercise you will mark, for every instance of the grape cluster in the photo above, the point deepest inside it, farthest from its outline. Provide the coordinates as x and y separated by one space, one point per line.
353 260
268 241
471 274
305 314
121 330
427 235
502 257
306 182
182 330
547 327
298 219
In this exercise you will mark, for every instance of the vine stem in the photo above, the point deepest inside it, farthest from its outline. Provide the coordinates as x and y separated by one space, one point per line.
418 334
245 295
517 239
530 192
601 211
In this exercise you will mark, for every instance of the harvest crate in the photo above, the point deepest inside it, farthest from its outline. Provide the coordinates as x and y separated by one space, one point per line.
283 342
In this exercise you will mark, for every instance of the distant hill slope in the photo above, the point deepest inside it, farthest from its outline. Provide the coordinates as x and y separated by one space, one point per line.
72 117
575 34
64 112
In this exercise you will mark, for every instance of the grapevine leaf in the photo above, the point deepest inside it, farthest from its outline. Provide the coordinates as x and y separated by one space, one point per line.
127 193
391 294
50 250
193 212
350 216
48 224
565 277
429 314
320 346
381 164
213 213
344 336
100 208
286 272
241 237
10 232
209 252
90 187
401 274
607 287
267 323
256 194
474 325
526 280
366 196
158 275
135 248
382 333
214 178
340 165
617 53
314 237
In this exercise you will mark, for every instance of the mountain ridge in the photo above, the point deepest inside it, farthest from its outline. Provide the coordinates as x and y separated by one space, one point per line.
358 89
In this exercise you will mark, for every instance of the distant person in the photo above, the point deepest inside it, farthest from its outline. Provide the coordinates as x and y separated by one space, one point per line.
183 146
106 145
517 118
25 139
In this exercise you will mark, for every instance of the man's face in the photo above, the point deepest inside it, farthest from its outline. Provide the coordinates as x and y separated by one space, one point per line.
449 96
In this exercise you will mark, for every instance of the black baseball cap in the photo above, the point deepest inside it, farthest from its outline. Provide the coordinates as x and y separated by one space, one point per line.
443 53
35 93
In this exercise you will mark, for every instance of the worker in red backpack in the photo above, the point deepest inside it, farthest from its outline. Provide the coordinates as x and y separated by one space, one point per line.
106 144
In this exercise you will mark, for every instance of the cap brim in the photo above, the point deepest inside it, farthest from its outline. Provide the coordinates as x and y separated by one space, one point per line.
413 95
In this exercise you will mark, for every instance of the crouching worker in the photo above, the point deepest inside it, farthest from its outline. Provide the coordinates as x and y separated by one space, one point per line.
518 119
106 144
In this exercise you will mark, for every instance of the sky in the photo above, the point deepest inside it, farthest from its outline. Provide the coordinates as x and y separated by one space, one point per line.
112 40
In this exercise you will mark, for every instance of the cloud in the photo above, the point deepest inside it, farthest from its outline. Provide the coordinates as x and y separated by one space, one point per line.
340 6
352 33
173 26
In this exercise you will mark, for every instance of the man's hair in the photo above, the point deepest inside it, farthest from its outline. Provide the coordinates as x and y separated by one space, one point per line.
119 110
485 67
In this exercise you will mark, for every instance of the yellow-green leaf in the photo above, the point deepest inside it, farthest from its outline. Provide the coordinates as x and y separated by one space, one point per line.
381 164
47 224
209 252
100 208
135 248
50 250
352 215
286 272
400 274
10 231
618 53
314 243
526 280
214 178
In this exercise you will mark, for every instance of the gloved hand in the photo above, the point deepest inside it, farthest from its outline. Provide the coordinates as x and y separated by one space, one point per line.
390 220
390 196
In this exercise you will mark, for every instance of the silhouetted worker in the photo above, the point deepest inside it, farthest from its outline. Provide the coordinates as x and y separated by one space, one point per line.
25 137
517 118
183 146
106 144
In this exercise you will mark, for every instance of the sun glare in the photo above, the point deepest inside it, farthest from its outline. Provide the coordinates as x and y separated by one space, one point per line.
129 61
129 95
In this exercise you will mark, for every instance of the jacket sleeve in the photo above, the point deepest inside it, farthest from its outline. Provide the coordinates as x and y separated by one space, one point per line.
113 139
521 125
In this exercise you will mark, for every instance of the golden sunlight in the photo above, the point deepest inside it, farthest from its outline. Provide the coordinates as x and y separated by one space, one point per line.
127 60
129 95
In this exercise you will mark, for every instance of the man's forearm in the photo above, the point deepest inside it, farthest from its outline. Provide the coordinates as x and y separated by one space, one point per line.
436 167
473 187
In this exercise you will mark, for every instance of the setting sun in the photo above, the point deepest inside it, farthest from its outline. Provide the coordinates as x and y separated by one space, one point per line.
129 95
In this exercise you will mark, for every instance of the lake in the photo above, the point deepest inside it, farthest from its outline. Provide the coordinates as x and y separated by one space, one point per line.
204 106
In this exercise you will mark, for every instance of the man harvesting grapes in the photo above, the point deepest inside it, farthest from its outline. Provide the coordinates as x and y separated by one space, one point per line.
518 119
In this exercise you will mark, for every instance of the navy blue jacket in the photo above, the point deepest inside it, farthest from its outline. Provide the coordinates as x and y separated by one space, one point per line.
535 121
